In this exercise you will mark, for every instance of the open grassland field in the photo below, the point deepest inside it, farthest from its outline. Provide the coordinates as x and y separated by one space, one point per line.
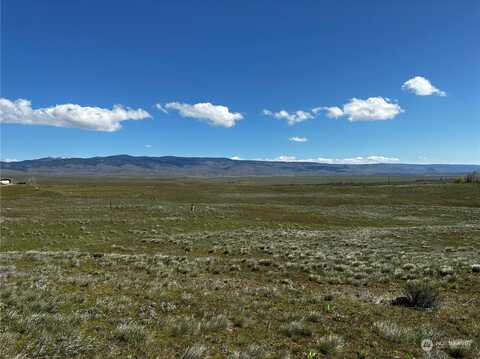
184 268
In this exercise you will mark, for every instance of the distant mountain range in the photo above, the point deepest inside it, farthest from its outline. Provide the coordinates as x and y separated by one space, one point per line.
124 165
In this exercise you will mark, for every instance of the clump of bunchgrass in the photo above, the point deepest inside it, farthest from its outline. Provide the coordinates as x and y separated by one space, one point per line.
330 344
167 307
253 351
446 270
392 332
296 329
196 351
240 319
314 317
129 332
216 323
184 326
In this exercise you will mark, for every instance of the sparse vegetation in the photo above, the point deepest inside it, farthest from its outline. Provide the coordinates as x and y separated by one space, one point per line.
261 269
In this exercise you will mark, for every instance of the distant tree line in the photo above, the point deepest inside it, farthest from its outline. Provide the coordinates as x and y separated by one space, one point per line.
473 177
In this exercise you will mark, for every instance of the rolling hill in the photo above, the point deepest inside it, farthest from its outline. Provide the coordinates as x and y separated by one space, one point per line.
125 165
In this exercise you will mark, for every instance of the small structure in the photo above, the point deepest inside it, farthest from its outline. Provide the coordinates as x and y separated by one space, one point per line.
6 181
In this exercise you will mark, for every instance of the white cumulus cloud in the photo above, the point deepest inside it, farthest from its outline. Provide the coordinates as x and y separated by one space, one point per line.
291 118
298 139
214 115
371 109
421 86
68 115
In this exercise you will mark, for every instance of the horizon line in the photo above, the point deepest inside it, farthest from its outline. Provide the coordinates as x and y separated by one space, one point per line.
242 160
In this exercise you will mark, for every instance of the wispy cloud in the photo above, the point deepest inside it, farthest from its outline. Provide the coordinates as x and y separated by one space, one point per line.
353 160
421 86
214 115
68 115
298 139
291 118
160 107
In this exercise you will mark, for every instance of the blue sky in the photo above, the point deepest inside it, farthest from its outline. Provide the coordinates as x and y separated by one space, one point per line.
216 66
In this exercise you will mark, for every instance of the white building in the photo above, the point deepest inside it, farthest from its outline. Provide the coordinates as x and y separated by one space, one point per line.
5 181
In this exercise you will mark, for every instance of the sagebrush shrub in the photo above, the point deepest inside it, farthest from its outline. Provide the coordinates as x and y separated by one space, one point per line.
421 294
